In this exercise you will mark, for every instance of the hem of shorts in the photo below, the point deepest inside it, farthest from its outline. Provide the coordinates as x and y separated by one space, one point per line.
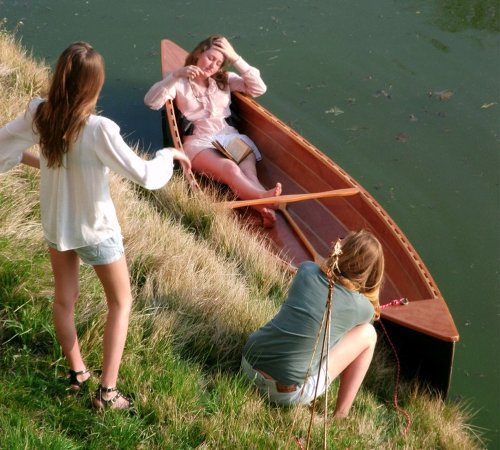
111 260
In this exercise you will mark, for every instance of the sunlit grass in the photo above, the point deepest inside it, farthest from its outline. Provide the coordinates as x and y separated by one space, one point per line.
202 284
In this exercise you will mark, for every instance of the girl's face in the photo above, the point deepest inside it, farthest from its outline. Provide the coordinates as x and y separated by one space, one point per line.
210 61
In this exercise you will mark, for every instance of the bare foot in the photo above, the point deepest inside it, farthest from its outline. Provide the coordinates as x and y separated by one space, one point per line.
277 192
274 192
268 217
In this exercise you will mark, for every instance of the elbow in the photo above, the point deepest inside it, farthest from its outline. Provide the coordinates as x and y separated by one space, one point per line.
259 90
151 104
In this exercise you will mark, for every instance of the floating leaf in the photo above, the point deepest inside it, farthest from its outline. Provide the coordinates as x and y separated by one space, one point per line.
402 137
382 93
442 95
488 105
336 111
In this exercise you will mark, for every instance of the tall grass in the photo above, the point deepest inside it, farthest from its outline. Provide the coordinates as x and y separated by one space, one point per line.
202 284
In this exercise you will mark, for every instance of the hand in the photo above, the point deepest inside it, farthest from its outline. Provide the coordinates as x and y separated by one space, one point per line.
223 45
186 168
190 72
184 161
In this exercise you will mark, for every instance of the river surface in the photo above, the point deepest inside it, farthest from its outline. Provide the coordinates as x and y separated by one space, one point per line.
404 94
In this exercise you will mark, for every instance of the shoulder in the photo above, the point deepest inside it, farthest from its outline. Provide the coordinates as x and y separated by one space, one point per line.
355 300
33 105
103 125
310 275
308 268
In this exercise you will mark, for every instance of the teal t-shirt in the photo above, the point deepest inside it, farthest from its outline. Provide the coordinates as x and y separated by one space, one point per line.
284 346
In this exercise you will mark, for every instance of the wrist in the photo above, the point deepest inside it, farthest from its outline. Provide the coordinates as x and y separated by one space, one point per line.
234 59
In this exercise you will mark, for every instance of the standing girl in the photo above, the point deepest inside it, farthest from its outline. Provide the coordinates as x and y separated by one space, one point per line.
78 150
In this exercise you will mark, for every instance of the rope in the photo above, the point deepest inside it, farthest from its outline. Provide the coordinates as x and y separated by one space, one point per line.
397 302
299 440
326 341
403 301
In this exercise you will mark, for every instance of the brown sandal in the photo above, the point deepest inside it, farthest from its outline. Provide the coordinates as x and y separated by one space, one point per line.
101 403
74 383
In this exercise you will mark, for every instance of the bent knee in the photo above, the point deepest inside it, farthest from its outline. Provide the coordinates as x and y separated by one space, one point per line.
369 333
230 170
66 299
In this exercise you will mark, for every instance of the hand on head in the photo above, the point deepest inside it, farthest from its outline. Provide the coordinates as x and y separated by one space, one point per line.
223 45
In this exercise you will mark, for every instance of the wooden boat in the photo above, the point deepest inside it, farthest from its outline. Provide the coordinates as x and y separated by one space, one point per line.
423 331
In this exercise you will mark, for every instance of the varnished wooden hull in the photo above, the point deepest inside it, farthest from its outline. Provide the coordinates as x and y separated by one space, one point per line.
423 332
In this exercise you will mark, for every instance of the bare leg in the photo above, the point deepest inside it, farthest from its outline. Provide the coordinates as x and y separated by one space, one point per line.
242 180
116 283
66 269
351 358
249 167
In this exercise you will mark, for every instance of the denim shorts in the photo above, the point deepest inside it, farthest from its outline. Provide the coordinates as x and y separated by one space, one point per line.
105 252
303 395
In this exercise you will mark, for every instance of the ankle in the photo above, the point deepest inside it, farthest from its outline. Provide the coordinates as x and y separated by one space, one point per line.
107 392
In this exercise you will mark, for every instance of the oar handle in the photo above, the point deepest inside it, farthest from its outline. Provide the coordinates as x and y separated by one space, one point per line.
290 198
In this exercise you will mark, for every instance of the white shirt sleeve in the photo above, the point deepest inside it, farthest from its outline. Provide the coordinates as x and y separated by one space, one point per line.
15 138
158 94
115 153
248 81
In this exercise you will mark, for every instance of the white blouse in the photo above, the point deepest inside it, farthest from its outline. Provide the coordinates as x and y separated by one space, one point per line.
206 108
75 201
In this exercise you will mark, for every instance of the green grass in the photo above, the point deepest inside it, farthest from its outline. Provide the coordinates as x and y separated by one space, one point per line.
202 284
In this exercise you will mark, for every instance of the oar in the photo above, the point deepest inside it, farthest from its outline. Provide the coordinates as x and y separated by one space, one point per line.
317 258
290 198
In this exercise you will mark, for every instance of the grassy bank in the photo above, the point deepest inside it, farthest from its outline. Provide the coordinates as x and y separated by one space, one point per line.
201 284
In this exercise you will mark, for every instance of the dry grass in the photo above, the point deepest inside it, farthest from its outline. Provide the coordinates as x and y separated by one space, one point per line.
211 293
21 77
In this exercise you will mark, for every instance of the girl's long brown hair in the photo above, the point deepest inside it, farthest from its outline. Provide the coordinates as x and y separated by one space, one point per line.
73 92
220 76
360 266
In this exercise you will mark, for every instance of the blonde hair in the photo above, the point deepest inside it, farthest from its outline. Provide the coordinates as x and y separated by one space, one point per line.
73 92
359 266
220 76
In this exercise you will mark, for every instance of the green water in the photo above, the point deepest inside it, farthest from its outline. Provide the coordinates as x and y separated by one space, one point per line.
405 95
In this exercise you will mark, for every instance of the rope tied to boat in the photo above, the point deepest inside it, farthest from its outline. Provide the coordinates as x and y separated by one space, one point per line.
403 301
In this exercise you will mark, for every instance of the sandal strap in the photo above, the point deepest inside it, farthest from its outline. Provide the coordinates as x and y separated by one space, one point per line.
73 376
106 403
105 389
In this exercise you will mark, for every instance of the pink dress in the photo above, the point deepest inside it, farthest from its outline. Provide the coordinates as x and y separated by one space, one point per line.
207 109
